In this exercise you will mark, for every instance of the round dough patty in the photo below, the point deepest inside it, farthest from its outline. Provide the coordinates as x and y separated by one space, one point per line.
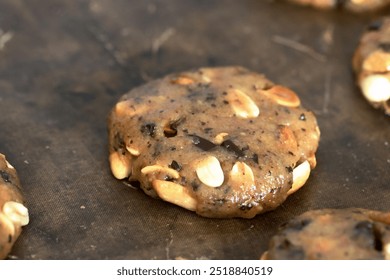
13 214
224 142
351 5
333 234
371 63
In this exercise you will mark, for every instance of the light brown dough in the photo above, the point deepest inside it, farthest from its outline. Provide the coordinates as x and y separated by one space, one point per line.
223 142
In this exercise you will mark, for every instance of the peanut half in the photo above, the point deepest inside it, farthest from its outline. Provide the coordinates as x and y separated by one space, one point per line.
120 165
241 172
220 137
160 169
283 96
133 151
376 88
209 171
242 105
174 193
16 212
126 108
300 175
182 80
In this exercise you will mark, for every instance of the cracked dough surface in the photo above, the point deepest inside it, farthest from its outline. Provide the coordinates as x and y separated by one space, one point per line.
333 234
223 142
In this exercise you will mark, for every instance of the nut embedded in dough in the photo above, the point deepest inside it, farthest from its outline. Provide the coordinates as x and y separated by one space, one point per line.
209 171
376 88
9 165
220 138
120 165
183 80
174 193
13 214
126 108
371 63
242 105
160 169
283 96
242 172
133 151
300 175
16 212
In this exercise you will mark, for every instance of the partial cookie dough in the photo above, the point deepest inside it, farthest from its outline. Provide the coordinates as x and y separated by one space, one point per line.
223 142
333 234
13 214
358 6
371 63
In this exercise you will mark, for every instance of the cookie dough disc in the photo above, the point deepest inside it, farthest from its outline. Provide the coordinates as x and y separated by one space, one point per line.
358 6
224 142
333 234
13 214
371 63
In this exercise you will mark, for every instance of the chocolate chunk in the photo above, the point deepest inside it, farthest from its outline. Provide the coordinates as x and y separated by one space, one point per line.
175 165
231 147
195 186
289 169
118 142
202 143
149 129
5 176
255 158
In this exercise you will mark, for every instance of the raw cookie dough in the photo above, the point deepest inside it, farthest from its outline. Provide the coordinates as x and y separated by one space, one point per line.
351 5
333 234
13 214
371 63
224 142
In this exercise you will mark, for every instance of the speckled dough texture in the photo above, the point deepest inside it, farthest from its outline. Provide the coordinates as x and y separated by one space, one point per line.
371 63
223 142
13 215
333 234
358 6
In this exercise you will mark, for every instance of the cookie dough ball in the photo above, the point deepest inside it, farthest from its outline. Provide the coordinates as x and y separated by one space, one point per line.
13 214
371 63
223 142
333 234
358 6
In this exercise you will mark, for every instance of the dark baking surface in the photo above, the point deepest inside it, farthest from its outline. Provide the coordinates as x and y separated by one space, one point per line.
64 64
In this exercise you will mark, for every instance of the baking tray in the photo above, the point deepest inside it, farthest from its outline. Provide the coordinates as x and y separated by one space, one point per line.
64 64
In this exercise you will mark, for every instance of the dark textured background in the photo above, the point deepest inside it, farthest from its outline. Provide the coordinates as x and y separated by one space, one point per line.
66 63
